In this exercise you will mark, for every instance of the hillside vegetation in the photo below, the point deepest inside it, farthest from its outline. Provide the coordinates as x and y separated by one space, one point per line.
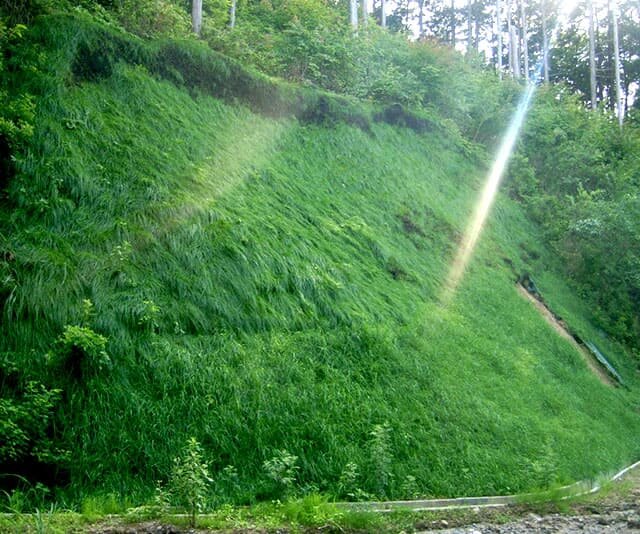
191 249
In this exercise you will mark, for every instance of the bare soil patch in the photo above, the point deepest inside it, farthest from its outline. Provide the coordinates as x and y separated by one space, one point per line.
559 326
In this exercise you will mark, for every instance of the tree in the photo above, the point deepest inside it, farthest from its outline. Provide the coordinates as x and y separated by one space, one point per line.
616 63
232 14
196 16
353 11
499 52
525 38
592 56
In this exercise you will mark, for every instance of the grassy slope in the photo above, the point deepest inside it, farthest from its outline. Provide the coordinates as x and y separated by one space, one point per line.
266 285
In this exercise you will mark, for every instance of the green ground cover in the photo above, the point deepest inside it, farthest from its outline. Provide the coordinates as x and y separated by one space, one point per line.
266 285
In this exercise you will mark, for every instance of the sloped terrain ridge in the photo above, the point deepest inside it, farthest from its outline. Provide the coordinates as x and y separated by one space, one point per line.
176 264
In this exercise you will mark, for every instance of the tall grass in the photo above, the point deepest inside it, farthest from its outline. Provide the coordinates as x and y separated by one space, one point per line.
267 285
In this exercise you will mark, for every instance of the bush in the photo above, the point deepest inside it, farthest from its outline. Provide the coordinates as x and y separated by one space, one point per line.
26 407
282 469
81 352
24 11
154 18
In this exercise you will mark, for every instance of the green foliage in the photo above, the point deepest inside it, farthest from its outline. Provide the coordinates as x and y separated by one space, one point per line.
24 11
26 408
410 488
576 174
153 18
381 459
24 421
16 110
348 482
190 480
81 352
237 260
282 469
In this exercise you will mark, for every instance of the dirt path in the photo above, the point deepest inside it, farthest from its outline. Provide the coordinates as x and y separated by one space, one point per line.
561 328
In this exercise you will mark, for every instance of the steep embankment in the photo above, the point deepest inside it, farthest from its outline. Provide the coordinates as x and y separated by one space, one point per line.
267 285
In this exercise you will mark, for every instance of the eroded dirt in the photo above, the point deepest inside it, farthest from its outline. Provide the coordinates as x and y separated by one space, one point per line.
561 328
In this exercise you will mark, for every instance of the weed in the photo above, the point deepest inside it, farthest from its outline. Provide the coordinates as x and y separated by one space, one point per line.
190 480
381 458
409 488
282 469
348 481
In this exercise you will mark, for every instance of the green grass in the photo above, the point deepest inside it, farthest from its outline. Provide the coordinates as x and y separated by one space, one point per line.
266 285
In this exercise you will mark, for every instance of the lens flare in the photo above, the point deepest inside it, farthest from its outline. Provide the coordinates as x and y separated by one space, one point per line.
483 206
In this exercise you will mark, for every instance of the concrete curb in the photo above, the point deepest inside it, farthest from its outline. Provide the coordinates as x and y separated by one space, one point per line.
573 490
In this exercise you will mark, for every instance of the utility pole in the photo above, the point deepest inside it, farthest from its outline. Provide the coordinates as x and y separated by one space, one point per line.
383 14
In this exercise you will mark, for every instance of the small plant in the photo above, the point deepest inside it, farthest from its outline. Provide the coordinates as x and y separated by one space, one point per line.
228 483
282 470
381 457
88 311
347 483
190 480
410 488
81 351
161 497
149 315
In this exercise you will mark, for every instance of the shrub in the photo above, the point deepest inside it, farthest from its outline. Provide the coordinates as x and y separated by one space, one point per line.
81 352
24 420
154 18
282 470
190 480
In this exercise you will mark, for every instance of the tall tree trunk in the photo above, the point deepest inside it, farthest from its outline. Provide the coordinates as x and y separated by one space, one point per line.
365 12
476 34
592 57
616 63
232 14
383 14
510 33
196 16
420 18
353 5
545 44
453 23
525 39
499 32
469 26
515 52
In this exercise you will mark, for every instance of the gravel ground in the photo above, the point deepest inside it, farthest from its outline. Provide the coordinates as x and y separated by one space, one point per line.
616 512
